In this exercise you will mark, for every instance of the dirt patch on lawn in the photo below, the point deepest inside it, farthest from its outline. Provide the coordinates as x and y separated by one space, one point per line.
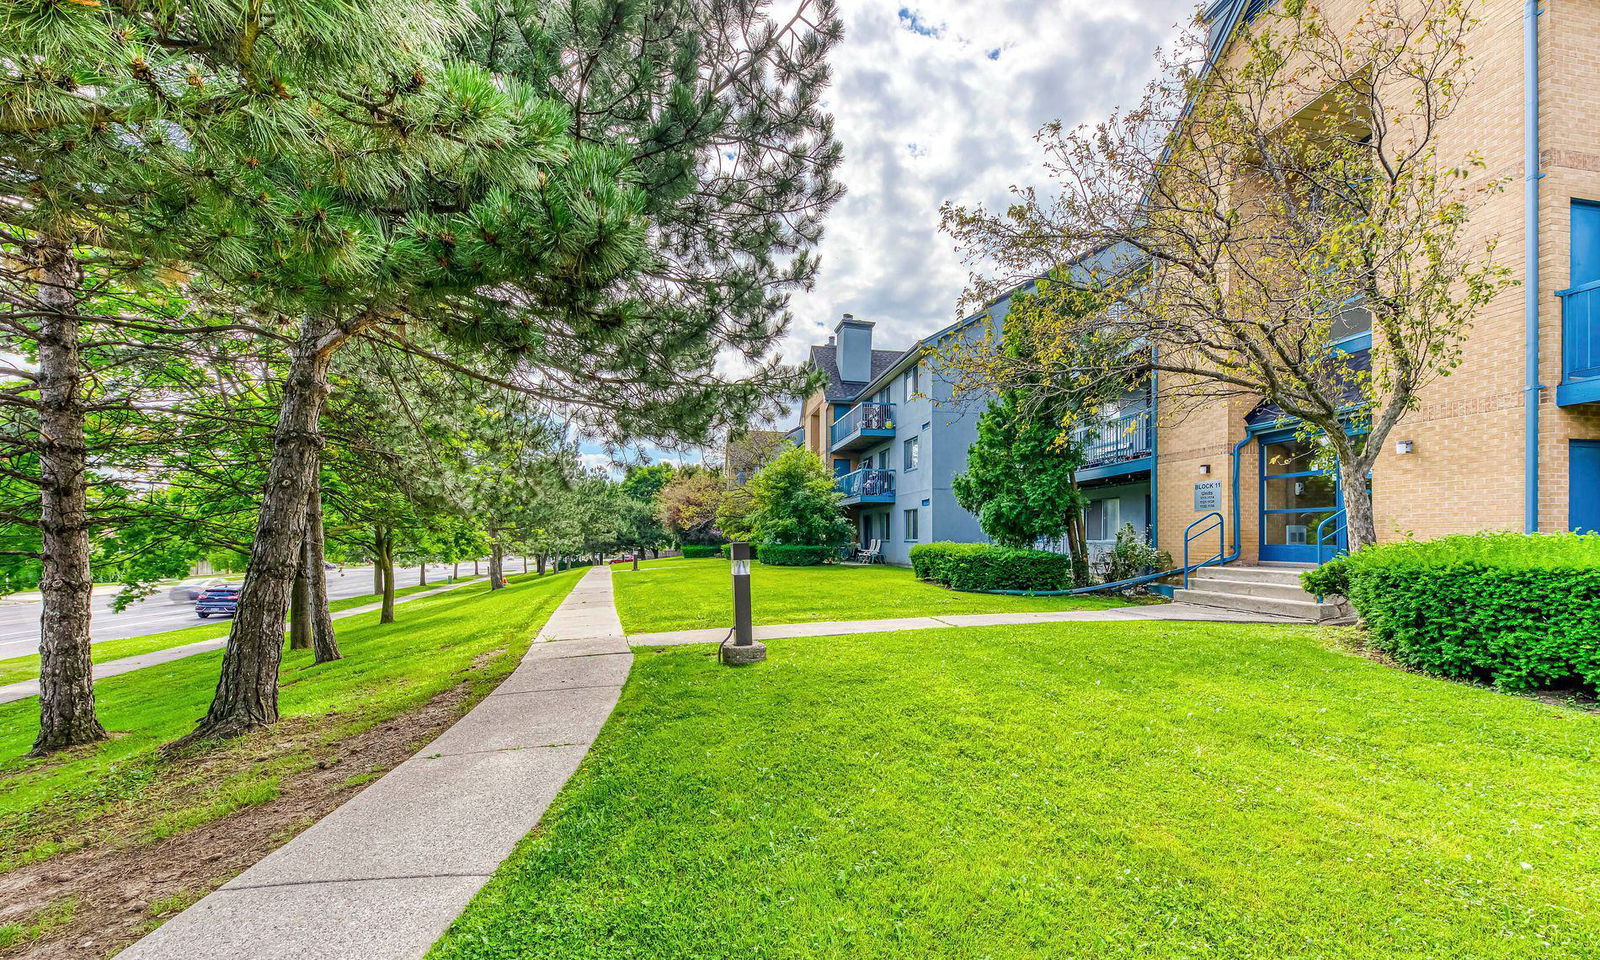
95 901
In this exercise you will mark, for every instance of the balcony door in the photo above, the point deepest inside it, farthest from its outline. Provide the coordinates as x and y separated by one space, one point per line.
1296 498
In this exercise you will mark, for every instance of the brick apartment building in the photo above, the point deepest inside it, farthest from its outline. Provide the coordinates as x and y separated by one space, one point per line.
1504 442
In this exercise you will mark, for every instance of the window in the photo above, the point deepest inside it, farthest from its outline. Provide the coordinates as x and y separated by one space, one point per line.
1103 518
911 524
913 382
885 535
913 453
1351 321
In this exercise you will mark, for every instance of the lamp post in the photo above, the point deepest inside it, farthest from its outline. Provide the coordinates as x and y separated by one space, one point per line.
745 647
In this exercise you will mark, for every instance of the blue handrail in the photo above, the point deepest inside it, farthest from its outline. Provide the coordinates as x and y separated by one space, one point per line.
1189 536
1322 538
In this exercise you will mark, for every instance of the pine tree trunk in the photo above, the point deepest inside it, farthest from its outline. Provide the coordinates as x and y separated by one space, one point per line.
66 683
386 561
496 565
524 561
300 600
324 643
247 692
540 562
455 571
475 567
422 574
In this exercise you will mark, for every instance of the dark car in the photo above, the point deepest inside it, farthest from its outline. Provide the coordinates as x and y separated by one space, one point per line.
223 600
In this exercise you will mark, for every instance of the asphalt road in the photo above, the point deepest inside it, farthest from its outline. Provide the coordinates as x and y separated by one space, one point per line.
19 613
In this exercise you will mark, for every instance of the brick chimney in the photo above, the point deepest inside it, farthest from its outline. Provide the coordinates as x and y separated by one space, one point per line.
854 355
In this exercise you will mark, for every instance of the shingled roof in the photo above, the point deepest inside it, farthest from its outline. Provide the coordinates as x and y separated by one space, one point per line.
843 391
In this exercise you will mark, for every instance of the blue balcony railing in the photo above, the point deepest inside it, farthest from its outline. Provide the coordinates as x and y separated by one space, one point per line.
1117 440
867 486
864 423
1581 340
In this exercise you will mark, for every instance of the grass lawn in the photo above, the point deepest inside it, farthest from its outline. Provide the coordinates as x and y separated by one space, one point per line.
1062 790
679 594
17 669
124 790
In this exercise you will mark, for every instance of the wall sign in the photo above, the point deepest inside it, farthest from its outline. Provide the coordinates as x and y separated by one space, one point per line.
1208 496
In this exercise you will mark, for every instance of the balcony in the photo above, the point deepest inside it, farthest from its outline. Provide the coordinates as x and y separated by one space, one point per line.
1117 445
1580 345
865 425
866 486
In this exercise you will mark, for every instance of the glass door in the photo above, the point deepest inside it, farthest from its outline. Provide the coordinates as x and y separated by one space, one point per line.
1295 498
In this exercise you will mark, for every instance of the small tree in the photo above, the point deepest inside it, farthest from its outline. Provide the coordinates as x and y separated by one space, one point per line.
1255 209
687 506
1021 481
796 503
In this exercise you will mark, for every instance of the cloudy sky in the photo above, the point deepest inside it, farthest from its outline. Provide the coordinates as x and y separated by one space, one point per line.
939 100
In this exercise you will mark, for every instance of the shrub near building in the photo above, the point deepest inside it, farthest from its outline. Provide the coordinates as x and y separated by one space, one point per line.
983 566
1521 611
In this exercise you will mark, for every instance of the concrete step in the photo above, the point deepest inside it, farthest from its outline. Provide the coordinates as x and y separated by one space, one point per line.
1222 583
1290 575
1307 609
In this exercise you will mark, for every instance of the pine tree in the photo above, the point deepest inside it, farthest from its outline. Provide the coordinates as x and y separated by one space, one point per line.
117 123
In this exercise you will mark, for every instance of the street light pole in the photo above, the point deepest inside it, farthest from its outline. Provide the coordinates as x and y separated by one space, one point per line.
745 647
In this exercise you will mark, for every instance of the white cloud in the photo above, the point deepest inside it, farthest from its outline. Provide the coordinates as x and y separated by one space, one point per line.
940 100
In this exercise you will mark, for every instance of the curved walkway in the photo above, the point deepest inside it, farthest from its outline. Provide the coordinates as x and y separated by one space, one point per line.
23 689
381 877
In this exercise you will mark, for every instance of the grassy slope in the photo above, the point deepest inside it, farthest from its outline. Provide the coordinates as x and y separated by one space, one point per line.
387 670
679 594
1072 790
17 669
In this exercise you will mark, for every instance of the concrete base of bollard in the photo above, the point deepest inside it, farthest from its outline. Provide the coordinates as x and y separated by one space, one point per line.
735 656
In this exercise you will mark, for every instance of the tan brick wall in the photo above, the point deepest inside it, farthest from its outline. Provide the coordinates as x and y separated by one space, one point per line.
1466 471
814 417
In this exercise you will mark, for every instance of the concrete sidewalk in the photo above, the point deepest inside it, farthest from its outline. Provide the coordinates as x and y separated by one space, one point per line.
381 877
30 688
1176 612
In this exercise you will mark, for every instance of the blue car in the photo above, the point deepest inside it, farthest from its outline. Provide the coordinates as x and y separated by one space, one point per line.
222 600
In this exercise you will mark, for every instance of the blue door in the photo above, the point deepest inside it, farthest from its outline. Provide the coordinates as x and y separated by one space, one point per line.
1298 502
1583 486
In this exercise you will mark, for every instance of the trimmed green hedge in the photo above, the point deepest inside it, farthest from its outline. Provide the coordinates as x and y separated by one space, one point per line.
982 566
793 555
696 551
1519 610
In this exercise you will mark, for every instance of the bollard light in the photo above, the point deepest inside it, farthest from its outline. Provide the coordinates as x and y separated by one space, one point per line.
745 648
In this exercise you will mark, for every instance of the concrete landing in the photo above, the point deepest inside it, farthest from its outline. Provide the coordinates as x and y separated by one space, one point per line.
381 877
1176 612
110 668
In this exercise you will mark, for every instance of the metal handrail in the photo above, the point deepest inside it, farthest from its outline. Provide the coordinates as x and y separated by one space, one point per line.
1321 539
866 482
1189 536
863 416
1580 332
1127 437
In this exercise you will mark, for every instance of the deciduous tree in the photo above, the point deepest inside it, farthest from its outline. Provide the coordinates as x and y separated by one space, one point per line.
1252 216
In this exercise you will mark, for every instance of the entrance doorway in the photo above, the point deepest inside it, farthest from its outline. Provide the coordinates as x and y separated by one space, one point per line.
1296 498
1583 486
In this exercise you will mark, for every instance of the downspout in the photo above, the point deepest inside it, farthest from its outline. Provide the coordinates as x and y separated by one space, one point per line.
1530 223
1153 520
1234 555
